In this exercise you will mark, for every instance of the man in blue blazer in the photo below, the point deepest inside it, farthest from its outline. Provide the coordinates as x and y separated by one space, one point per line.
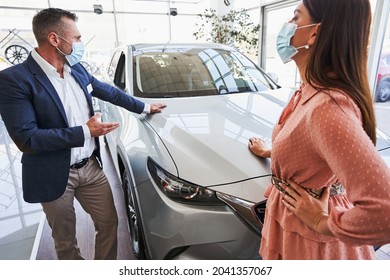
46 105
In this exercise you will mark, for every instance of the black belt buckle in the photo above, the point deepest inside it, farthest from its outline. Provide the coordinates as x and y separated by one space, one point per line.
79 164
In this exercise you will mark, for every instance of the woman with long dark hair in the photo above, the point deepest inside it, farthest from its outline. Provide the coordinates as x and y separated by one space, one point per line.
330 191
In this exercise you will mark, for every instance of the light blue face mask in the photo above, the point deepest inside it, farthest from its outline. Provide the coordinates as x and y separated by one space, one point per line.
283 47
77 52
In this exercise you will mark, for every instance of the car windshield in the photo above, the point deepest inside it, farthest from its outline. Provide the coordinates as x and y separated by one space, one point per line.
196 72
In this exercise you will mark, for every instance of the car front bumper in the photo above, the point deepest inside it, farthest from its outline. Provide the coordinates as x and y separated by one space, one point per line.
174 230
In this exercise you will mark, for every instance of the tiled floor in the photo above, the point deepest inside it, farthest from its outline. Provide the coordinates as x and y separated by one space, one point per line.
24 234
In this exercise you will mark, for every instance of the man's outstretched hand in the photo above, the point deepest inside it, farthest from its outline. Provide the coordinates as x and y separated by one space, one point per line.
98 128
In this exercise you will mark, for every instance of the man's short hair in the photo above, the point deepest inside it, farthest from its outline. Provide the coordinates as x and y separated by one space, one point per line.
50 20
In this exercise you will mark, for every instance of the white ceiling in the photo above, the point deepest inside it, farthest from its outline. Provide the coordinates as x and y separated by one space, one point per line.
172 1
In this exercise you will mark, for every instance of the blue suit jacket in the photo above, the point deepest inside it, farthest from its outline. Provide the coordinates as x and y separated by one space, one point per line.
35 119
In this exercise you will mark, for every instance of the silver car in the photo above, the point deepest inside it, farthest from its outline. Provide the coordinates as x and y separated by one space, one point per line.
188 176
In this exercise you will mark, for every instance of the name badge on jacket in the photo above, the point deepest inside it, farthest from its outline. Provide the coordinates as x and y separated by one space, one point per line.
89 88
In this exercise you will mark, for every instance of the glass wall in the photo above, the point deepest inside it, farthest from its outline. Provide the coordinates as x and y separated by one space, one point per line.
121 22
379 66
252 8
275 13
381 56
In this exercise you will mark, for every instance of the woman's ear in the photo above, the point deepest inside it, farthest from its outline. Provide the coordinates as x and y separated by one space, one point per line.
313 35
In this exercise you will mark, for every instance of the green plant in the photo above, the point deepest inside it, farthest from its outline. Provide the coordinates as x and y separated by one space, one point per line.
233 29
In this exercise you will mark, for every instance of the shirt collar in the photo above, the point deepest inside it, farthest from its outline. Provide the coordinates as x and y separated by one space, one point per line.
47 68
307 93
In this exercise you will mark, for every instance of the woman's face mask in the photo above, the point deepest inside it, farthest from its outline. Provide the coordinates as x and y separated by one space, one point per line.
283 47
77 52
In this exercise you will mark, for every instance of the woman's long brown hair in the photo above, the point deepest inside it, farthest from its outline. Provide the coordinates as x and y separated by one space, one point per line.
341 48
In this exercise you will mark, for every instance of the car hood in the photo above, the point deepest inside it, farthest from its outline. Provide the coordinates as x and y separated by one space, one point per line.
207 137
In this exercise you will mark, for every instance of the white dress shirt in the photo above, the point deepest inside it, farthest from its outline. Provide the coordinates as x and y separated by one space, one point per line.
74 102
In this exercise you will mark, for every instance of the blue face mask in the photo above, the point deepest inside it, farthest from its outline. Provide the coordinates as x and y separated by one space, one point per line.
77 52
283 47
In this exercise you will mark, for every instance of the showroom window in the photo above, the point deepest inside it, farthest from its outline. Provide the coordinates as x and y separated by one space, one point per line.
275 13
380 54
120 22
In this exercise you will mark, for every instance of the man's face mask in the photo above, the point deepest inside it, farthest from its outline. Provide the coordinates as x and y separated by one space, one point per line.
283 47
77 52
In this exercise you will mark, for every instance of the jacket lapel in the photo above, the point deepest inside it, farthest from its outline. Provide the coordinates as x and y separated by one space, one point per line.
41 77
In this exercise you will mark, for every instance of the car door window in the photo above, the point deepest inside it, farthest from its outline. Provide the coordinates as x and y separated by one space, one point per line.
113 64
120 73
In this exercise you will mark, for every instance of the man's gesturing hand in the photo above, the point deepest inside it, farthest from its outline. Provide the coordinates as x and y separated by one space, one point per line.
98 128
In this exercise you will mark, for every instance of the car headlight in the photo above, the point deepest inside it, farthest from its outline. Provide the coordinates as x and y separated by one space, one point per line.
180 190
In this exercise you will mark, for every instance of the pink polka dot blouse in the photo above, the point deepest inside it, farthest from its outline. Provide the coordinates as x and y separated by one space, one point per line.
320 140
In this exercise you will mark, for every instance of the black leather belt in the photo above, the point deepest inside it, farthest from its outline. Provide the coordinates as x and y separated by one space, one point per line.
79 164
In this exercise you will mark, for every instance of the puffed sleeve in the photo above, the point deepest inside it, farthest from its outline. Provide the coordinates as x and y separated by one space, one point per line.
339 138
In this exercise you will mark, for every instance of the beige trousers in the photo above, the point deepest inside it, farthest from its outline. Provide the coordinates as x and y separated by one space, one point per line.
90 187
